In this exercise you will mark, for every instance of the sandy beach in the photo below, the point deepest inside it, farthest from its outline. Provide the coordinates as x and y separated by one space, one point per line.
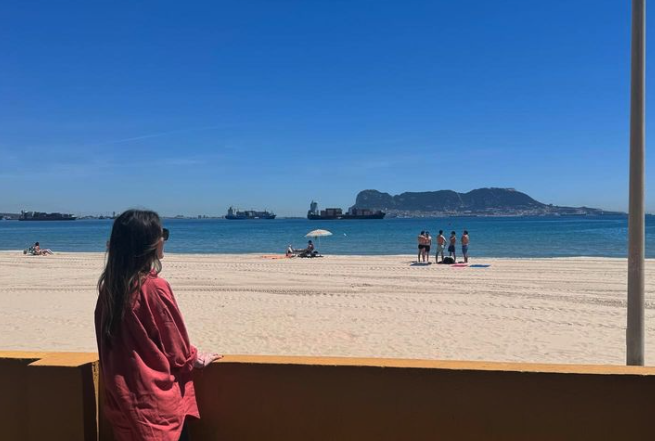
537 310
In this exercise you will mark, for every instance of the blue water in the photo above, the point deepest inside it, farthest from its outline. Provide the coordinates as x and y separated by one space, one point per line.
490 237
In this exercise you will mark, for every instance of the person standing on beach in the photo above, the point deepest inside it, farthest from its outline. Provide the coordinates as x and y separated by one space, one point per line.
146 359
451 247
465 246
426 248
421 245
441 245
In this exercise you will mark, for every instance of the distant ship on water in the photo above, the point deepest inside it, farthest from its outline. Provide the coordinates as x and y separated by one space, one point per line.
38 216
338 214
233 214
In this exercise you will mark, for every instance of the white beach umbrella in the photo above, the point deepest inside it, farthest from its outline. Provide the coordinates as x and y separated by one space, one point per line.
317 234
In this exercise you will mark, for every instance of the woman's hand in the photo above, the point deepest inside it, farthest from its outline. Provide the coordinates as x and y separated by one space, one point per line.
204 359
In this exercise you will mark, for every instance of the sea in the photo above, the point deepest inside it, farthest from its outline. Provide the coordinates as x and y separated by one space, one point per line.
490 237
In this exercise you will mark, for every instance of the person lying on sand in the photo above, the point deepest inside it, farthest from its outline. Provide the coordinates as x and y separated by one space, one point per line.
40 252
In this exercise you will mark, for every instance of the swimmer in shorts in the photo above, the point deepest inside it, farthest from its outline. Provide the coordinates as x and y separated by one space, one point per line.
451 247
426 248
465 246
421 245
441 246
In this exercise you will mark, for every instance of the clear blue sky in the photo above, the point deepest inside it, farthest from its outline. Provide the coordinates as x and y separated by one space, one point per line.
192 107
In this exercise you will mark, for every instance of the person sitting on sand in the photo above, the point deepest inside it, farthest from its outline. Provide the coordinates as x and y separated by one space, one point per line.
441 245
421 246
39 252
465 246
290 251
451 247
309 251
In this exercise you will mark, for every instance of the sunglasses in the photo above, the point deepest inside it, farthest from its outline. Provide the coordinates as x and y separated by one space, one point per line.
165 234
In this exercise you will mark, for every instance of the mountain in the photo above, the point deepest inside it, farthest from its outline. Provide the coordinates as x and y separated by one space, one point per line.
479 202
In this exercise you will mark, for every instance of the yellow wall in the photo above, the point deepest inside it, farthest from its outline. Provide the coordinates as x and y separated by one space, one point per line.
48 396
255 398
53 396
13 396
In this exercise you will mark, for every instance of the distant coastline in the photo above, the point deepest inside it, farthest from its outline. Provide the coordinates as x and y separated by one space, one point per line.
481 202
418 215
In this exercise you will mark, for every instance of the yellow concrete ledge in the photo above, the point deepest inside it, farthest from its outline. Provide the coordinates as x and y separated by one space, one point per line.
48 395
22 355
73 359
457 365
55 396
66 359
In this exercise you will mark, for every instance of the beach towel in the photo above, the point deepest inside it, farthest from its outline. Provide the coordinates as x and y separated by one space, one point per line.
459 265
480 266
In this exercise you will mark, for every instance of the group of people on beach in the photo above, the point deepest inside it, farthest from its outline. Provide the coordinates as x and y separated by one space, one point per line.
425 244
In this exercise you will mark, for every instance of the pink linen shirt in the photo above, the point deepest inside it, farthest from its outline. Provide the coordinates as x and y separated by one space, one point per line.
147 369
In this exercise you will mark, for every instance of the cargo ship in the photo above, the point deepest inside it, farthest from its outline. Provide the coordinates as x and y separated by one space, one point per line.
233 214
338 214
38 216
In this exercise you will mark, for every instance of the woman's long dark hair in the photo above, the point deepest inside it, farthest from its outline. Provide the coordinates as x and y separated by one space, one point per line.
132 254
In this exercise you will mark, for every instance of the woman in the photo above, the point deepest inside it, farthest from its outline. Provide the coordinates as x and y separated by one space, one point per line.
39 252
145 355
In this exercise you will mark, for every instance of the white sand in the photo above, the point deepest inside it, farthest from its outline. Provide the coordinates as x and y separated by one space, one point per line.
537 310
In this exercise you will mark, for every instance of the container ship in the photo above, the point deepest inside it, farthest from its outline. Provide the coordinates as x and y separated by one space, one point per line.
338 214
38 216
233 214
